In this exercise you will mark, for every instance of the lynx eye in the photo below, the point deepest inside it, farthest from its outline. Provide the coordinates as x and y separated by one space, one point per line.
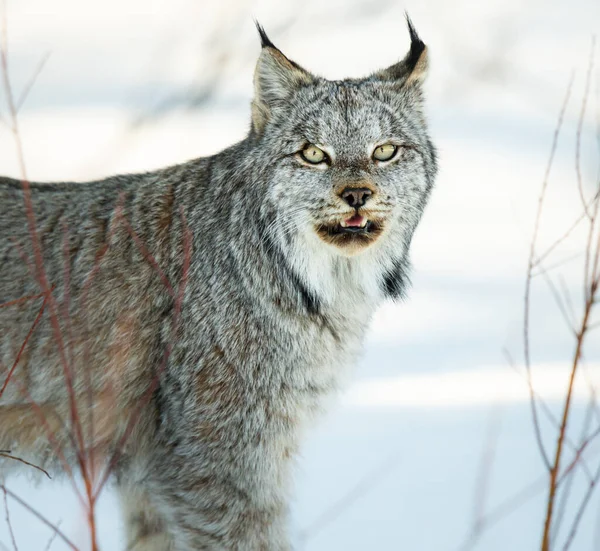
385 152
313 154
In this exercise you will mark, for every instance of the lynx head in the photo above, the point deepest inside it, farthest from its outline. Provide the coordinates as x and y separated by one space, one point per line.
349 163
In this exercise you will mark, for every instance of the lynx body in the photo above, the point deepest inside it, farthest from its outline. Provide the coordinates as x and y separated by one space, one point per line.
199 315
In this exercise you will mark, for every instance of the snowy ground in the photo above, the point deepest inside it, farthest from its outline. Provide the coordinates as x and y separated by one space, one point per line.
397 463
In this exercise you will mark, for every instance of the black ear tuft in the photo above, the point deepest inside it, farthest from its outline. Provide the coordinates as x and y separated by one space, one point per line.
416 45
265 41
411 70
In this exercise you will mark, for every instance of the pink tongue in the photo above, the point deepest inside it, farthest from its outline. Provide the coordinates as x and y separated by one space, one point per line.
355 222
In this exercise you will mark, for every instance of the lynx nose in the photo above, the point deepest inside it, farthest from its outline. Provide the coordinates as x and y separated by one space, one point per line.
356 196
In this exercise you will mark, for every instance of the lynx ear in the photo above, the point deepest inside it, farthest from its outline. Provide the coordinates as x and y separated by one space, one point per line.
275 79
413 68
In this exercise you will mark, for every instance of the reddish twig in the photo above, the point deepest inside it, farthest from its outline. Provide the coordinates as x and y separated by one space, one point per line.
50 435
23 345
40 271
554 470
187 252
61 328
590 289
21 300
149 258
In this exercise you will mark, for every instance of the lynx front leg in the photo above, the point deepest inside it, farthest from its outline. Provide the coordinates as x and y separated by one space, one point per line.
145 527
216 509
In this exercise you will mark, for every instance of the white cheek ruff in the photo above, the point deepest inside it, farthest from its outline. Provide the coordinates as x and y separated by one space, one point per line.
345 283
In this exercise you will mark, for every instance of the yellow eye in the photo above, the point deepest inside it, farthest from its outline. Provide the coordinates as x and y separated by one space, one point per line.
385 152
314 155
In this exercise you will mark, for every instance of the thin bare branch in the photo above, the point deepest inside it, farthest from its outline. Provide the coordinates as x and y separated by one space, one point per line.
9 523
578 456
558 299
484 479
581 510
149 258
565 235
505 508
557 478
40 517
589 274
23 346
52 537
40 272
532 257
594 277
548 412
557 264
593 393
588 80
31 82
50 435
187 255
364 485
567 297
21 300
554 471
596 540
8 455
566 480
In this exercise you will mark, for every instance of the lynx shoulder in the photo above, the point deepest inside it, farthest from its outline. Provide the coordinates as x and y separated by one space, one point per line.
183 326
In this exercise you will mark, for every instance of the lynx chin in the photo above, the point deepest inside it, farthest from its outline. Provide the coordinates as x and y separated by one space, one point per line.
287 242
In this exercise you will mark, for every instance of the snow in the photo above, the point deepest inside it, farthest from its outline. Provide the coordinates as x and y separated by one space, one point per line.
397 462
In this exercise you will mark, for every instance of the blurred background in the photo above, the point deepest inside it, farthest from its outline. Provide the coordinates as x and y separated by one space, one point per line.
432 440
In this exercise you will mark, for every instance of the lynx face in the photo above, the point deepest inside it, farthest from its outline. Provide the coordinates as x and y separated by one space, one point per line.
351 163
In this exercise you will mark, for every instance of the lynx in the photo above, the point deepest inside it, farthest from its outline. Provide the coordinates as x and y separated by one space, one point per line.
193 319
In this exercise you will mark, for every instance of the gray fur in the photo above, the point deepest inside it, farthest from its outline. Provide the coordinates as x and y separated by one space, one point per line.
272 314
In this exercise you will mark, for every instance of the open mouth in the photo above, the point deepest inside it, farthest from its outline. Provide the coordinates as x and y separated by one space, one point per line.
357 230
355 224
